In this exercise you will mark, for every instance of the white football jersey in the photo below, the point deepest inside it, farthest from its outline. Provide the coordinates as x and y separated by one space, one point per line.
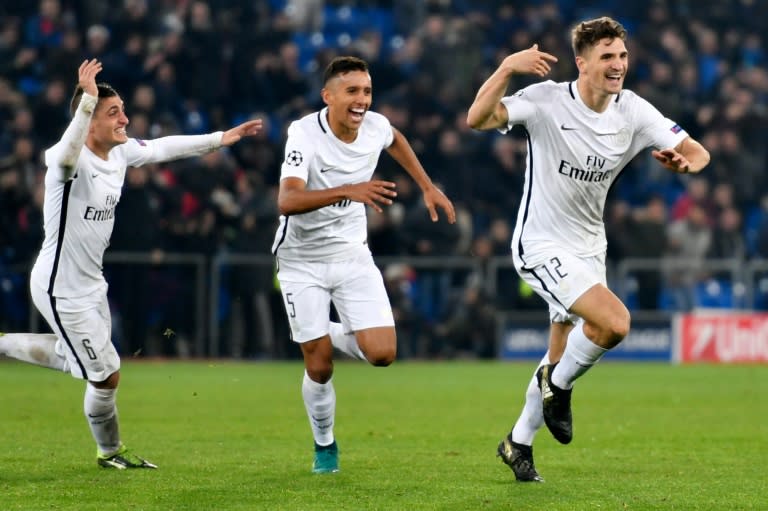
574 156
314 155
79 213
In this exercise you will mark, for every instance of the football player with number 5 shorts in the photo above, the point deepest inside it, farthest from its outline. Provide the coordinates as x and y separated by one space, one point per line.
321 243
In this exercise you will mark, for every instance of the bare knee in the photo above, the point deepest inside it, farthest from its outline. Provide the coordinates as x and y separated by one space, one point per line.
379 345
606 317
381 357
318 359
610 333
110 383
319 372
620 328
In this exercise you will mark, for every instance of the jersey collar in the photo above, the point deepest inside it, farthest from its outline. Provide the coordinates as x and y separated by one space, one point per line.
573 90
322 120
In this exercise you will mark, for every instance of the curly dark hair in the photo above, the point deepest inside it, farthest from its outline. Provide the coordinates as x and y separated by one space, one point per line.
587 33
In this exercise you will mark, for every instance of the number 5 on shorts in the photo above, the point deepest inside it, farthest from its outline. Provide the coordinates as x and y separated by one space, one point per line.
292 311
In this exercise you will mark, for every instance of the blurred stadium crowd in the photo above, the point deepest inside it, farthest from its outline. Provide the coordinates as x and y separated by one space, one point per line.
194 66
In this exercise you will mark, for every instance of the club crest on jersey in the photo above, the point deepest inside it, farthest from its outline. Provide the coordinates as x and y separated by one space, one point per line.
622 137
294 158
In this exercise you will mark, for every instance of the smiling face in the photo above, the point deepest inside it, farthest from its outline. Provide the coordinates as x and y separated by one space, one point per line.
108 124
602 59
603 67
348 96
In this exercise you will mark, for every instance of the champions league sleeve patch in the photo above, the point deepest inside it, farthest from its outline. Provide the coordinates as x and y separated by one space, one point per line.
676 129
294 158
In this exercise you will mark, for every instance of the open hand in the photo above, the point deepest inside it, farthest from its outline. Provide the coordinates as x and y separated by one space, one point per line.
246 129
434 198
672 160
86 76
373 193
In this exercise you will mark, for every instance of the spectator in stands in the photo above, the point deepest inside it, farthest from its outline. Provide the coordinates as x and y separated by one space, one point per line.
50 113
727 236
648 239
97 39
750 179
260 156
467 328
697 192
413 340
420 237
306 15
24 158
44 30
138 224
618 218
498 181
60 61
252 286
689 240
10 46
23 125
13 199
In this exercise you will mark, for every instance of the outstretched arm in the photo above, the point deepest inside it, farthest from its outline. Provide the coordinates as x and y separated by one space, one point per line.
403 153
487 112
294 199
175 147
687 156
74 136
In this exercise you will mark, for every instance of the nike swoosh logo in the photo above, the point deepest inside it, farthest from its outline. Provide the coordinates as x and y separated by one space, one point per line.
565 128
323 171
95 175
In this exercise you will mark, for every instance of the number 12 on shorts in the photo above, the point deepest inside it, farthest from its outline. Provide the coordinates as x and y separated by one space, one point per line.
553 270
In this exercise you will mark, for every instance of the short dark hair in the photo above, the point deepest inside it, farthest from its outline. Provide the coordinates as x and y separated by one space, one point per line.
105 91
341 65
588 33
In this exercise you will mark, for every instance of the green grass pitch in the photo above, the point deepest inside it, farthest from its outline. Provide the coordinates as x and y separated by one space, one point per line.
414 436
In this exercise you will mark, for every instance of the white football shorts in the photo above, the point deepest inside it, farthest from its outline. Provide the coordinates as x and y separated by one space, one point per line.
562 279
355 287
84 328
